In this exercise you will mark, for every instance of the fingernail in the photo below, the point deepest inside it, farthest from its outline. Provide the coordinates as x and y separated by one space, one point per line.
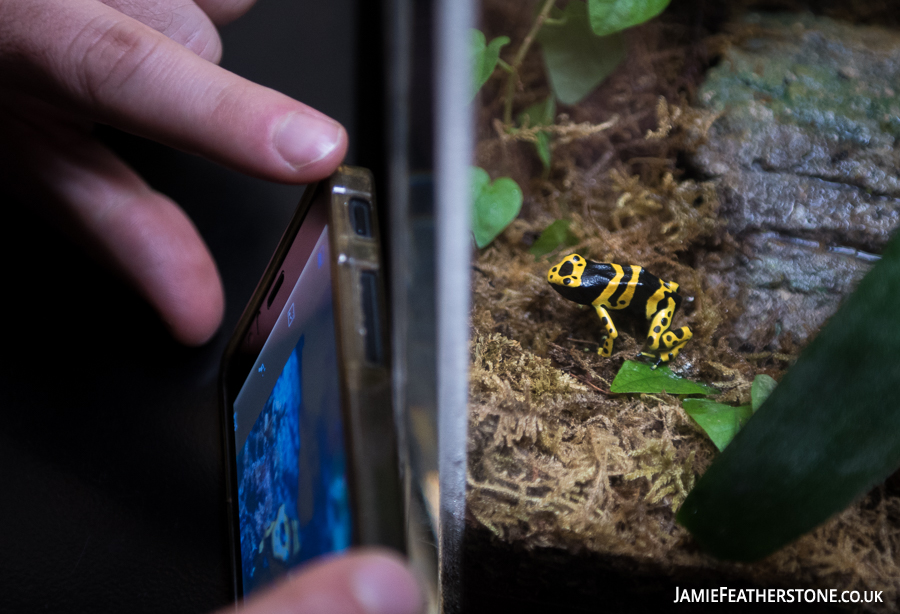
304 139
385 586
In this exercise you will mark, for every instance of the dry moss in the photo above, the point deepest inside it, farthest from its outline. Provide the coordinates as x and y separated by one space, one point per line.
666 475
499 363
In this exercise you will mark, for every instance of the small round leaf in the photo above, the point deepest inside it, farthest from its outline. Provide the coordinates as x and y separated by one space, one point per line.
494 205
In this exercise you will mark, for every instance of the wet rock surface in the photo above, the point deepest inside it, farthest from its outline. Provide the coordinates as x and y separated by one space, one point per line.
803 155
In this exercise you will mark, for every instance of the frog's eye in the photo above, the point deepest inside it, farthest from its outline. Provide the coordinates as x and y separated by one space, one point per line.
575 258
567 280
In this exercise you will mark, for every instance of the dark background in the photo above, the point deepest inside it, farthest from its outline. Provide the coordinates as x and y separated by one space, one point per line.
111 480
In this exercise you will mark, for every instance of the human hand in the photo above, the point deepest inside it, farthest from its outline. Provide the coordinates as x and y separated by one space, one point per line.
146 67
360 583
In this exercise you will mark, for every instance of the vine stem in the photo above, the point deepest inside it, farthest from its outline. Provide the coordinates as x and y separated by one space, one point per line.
513 77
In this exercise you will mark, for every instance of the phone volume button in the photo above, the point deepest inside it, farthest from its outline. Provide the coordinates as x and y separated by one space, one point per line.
370 330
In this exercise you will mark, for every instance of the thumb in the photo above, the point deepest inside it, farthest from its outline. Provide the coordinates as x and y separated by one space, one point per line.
360 583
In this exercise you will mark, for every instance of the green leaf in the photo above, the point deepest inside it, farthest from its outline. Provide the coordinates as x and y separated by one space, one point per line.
541 113
484 58
828 432
762 387
554 236
543 149
609 16
721 422
494 205
577 60
639 377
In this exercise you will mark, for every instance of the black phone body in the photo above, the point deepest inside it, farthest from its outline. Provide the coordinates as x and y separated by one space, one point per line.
306 389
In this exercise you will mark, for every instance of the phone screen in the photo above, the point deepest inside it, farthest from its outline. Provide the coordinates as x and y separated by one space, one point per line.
291 464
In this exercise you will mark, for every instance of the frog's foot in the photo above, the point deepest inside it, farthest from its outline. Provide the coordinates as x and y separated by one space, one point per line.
656 358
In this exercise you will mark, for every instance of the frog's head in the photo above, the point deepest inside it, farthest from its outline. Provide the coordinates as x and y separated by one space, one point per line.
567 274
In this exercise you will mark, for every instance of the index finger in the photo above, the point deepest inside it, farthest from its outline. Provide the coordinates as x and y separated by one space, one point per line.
120 72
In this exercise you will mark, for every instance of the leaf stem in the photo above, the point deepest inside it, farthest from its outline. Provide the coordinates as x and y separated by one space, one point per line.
513 77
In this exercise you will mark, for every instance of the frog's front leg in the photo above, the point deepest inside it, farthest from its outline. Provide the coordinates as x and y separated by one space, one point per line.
606 345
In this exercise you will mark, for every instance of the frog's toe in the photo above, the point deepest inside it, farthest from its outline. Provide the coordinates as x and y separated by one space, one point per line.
655 358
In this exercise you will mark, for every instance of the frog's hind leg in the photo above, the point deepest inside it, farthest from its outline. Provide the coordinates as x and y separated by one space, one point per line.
663 344
659 325
610 332
673 341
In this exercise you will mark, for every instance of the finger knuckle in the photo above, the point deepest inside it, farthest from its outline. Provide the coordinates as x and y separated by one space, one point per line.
107 54
188 26
183 22
201 38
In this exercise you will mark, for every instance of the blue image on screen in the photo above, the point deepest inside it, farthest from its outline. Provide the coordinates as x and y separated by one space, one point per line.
292 486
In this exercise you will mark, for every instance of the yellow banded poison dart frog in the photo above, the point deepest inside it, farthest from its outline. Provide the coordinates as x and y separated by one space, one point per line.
604 285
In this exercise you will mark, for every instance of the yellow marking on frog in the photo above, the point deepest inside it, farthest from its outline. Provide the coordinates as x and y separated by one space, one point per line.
653 301
606 344
572 280
657 328
630 287
610 288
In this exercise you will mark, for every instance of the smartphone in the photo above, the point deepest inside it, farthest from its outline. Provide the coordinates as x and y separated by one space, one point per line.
306 389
